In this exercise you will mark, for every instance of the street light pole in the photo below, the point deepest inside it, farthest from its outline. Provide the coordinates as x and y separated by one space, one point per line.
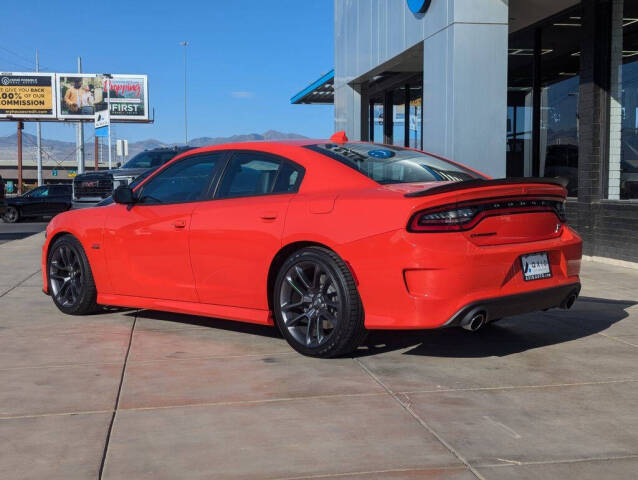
185 44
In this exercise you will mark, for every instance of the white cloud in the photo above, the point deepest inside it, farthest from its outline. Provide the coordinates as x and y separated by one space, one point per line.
242 94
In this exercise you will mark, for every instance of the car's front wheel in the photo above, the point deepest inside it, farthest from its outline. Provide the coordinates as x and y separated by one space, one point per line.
317 305
11 215
71 282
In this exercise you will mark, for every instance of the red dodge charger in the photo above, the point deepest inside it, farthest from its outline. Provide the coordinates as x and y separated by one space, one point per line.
326 239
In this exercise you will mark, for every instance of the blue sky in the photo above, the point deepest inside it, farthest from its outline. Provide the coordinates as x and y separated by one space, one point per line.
246 58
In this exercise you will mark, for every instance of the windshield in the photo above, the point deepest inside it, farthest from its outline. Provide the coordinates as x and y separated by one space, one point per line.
149 159
388 164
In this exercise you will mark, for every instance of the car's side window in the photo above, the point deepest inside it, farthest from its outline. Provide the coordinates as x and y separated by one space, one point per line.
253 173
288 179
39 192
187 180
248 174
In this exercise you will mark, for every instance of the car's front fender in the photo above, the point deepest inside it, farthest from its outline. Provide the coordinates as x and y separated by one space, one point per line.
88 227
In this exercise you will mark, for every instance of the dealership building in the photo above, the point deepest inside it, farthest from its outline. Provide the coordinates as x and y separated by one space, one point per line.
514 88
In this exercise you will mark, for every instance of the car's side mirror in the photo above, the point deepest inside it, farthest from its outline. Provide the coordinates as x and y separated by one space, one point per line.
124 194
118 164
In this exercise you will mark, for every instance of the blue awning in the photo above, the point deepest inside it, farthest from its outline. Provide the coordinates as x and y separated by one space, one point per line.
321 91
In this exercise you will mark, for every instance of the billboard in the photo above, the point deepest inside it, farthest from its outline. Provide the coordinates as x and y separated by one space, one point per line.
27 95
80 95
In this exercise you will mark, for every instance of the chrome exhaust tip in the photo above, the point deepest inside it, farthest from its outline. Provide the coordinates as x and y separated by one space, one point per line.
474 321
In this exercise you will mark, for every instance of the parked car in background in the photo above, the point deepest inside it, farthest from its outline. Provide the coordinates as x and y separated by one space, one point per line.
91 188
47 200
324 239
3 202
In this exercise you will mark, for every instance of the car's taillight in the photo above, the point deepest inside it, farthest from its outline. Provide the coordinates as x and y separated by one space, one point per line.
560 211
442 220
466 215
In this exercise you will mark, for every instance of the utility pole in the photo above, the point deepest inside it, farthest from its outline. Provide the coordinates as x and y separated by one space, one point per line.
20 127
185 44
38 129
80 134
96 153
107 83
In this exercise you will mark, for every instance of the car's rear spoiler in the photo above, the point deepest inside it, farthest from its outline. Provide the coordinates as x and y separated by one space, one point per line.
481 182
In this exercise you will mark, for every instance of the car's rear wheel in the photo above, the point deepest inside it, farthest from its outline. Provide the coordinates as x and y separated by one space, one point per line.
11 215
317 305
71 282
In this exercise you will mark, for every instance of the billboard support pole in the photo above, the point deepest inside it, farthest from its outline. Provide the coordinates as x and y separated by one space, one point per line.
80 134
96 154
38 130
20 127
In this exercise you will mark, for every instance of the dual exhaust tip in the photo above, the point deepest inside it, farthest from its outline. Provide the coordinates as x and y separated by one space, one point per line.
477 318
474 320
569 301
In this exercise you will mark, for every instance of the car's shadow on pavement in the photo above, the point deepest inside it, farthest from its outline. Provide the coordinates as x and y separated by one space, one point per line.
214 323
512 335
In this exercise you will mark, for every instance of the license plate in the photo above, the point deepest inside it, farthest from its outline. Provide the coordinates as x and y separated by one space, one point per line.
535 266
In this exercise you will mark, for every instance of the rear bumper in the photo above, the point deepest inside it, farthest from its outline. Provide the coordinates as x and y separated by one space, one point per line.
3 206
422 281
495 308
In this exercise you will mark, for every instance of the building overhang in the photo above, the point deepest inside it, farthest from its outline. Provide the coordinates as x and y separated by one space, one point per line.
321 91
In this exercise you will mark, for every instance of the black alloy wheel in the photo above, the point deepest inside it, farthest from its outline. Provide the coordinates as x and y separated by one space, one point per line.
317 305
70 279
11 215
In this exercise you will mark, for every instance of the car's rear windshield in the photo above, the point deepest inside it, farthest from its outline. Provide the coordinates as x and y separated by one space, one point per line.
389 164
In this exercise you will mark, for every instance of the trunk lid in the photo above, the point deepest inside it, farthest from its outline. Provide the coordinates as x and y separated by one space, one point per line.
496 212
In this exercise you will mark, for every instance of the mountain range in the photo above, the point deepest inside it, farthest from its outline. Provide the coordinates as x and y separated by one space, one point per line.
59 151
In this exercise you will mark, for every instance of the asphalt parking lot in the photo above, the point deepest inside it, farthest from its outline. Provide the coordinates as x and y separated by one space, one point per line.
16 231
147 395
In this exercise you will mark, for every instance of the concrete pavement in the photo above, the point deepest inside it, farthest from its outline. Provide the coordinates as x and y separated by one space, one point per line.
129 394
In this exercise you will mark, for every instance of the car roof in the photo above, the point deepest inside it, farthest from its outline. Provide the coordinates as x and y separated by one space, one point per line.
176 148
256 145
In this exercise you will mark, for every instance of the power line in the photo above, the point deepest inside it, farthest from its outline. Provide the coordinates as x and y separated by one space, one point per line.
21 57
30 62
16 64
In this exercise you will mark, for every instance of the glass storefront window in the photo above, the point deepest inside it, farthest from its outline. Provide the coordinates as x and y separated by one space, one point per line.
560 65
519 135
415 115
559 132
398 117
553 90
629 103
395 113
520 75
376 119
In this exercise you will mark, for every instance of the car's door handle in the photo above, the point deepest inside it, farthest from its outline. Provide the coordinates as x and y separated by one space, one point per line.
269 215
179 224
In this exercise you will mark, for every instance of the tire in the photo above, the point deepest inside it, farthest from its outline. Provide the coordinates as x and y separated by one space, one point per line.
316 304
70 279
11 215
